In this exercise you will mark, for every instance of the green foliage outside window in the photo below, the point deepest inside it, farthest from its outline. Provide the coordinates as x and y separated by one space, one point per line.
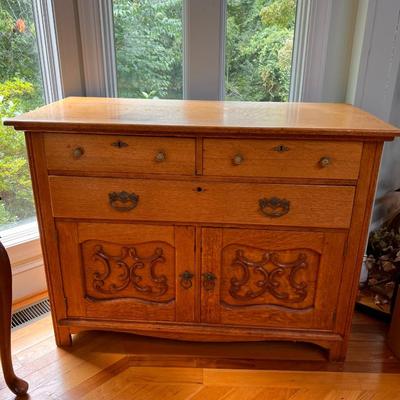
148 47
259 43
20 91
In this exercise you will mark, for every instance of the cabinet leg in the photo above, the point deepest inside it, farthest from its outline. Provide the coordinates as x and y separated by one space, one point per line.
63 336
337 352
16 385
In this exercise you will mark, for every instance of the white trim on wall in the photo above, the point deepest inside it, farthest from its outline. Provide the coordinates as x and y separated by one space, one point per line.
25 253
28 281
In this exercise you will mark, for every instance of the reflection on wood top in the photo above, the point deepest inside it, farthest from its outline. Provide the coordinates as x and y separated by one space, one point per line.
205 117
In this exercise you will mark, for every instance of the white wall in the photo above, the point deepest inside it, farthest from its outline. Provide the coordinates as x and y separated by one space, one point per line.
374 84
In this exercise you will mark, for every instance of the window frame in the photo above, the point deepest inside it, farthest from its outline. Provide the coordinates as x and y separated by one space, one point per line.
207 48
22 241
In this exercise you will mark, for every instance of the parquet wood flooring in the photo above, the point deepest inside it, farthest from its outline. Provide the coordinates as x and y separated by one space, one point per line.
105 365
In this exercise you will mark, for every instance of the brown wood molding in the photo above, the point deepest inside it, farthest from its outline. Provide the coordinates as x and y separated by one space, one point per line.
216 118
16 385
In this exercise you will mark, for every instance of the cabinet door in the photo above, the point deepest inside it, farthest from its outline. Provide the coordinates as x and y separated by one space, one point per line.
282 279
128 271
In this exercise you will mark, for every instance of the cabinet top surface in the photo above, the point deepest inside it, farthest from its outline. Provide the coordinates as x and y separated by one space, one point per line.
94 114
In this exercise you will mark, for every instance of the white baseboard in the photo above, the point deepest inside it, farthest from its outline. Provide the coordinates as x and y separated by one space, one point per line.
23 248
28 280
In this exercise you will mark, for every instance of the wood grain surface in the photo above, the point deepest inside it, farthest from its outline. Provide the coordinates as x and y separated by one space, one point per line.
93 114
279 303
126 154
212 202
282 159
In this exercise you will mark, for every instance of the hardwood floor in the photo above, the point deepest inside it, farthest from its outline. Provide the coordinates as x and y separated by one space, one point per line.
103 365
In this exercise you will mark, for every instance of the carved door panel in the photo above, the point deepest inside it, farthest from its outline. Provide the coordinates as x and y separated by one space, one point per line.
128 271
271 278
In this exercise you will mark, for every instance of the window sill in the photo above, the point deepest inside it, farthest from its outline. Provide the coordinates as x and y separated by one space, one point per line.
23 247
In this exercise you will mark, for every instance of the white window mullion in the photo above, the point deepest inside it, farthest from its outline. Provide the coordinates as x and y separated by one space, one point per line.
204 55
98 54
107 37
47 49
69 47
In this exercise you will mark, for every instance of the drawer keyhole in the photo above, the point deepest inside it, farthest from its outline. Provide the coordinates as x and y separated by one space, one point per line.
199 189
119 144
281 148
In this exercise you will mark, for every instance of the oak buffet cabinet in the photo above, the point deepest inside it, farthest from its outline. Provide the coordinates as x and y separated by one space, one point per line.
211 221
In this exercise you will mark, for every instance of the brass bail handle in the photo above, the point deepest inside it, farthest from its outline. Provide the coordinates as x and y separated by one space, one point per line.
209 280
274 207
123 201
186 279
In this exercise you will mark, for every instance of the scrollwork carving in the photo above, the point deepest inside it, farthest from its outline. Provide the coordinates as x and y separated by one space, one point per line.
129 262
270 281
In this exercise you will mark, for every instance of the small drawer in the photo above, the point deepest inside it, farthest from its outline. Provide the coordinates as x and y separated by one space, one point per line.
205 202
114 153
282 159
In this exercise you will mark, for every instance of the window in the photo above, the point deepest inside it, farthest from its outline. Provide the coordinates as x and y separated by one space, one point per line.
259 47
148 48
20 90
256 37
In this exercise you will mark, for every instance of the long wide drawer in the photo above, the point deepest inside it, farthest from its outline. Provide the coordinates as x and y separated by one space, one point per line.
282 159
205 202
114 153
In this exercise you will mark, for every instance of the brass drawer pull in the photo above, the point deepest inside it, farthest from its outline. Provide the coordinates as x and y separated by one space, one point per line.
237 159
186 279
78 152
324 162
274 207
160 156
209 281
118 200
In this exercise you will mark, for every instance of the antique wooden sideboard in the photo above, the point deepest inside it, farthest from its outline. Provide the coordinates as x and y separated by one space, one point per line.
196 220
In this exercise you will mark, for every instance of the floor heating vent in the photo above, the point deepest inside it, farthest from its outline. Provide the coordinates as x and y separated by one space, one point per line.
30 314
